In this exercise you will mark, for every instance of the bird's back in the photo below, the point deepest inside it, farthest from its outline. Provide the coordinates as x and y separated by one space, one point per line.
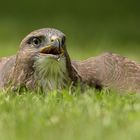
110 70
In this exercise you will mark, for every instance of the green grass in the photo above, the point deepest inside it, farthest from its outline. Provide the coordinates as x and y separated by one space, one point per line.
91 115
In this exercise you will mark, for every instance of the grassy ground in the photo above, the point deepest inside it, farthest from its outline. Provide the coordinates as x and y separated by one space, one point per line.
89 116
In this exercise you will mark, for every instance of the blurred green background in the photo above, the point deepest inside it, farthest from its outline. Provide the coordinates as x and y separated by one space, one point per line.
92 26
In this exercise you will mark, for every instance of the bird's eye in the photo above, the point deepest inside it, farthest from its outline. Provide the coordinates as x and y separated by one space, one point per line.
36 41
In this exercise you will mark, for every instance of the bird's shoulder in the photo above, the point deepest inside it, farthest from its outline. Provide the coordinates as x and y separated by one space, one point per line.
6 62
6 69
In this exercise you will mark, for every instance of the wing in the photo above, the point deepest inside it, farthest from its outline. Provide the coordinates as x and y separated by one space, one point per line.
110 70
6 69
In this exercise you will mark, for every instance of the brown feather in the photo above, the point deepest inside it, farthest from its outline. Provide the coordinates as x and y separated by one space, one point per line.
110 70
6 70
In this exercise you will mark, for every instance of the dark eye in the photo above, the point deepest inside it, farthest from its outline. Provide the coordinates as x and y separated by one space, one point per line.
36 41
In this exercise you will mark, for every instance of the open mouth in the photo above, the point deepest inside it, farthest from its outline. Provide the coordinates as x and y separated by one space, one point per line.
51 50
54 50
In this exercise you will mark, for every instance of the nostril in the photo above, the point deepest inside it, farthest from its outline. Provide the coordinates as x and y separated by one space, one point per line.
52 40
56 43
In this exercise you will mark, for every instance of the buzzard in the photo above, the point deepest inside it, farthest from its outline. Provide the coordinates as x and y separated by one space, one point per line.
43 63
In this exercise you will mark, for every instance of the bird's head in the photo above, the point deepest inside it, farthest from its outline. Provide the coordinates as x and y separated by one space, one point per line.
44 50
43 53
46 42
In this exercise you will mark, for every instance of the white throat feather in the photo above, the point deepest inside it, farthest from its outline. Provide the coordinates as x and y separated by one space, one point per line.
51 74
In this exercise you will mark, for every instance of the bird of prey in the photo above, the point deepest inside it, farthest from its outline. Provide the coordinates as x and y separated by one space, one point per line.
43 63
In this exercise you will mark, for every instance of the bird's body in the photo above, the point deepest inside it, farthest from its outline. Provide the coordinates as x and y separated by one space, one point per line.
43 63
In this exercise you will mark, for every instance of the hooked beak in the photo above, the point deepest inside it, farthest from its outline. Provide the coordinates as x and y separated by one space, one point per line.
55 48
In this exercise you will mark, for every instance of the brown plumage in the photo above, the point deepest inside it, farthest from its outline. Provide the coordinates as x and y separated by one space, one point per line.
43 63
111 71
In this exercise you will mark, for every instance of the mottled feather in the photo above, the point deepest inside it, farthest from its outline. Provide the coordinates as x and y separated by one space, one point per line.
112 71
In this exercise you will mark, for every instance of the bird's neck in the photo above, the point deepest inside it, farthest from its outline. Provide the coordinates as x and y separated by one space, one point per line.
51 74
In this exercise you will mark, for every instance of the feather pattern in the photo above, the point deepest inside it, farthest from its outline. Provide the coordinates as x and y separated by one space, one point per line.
111 70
